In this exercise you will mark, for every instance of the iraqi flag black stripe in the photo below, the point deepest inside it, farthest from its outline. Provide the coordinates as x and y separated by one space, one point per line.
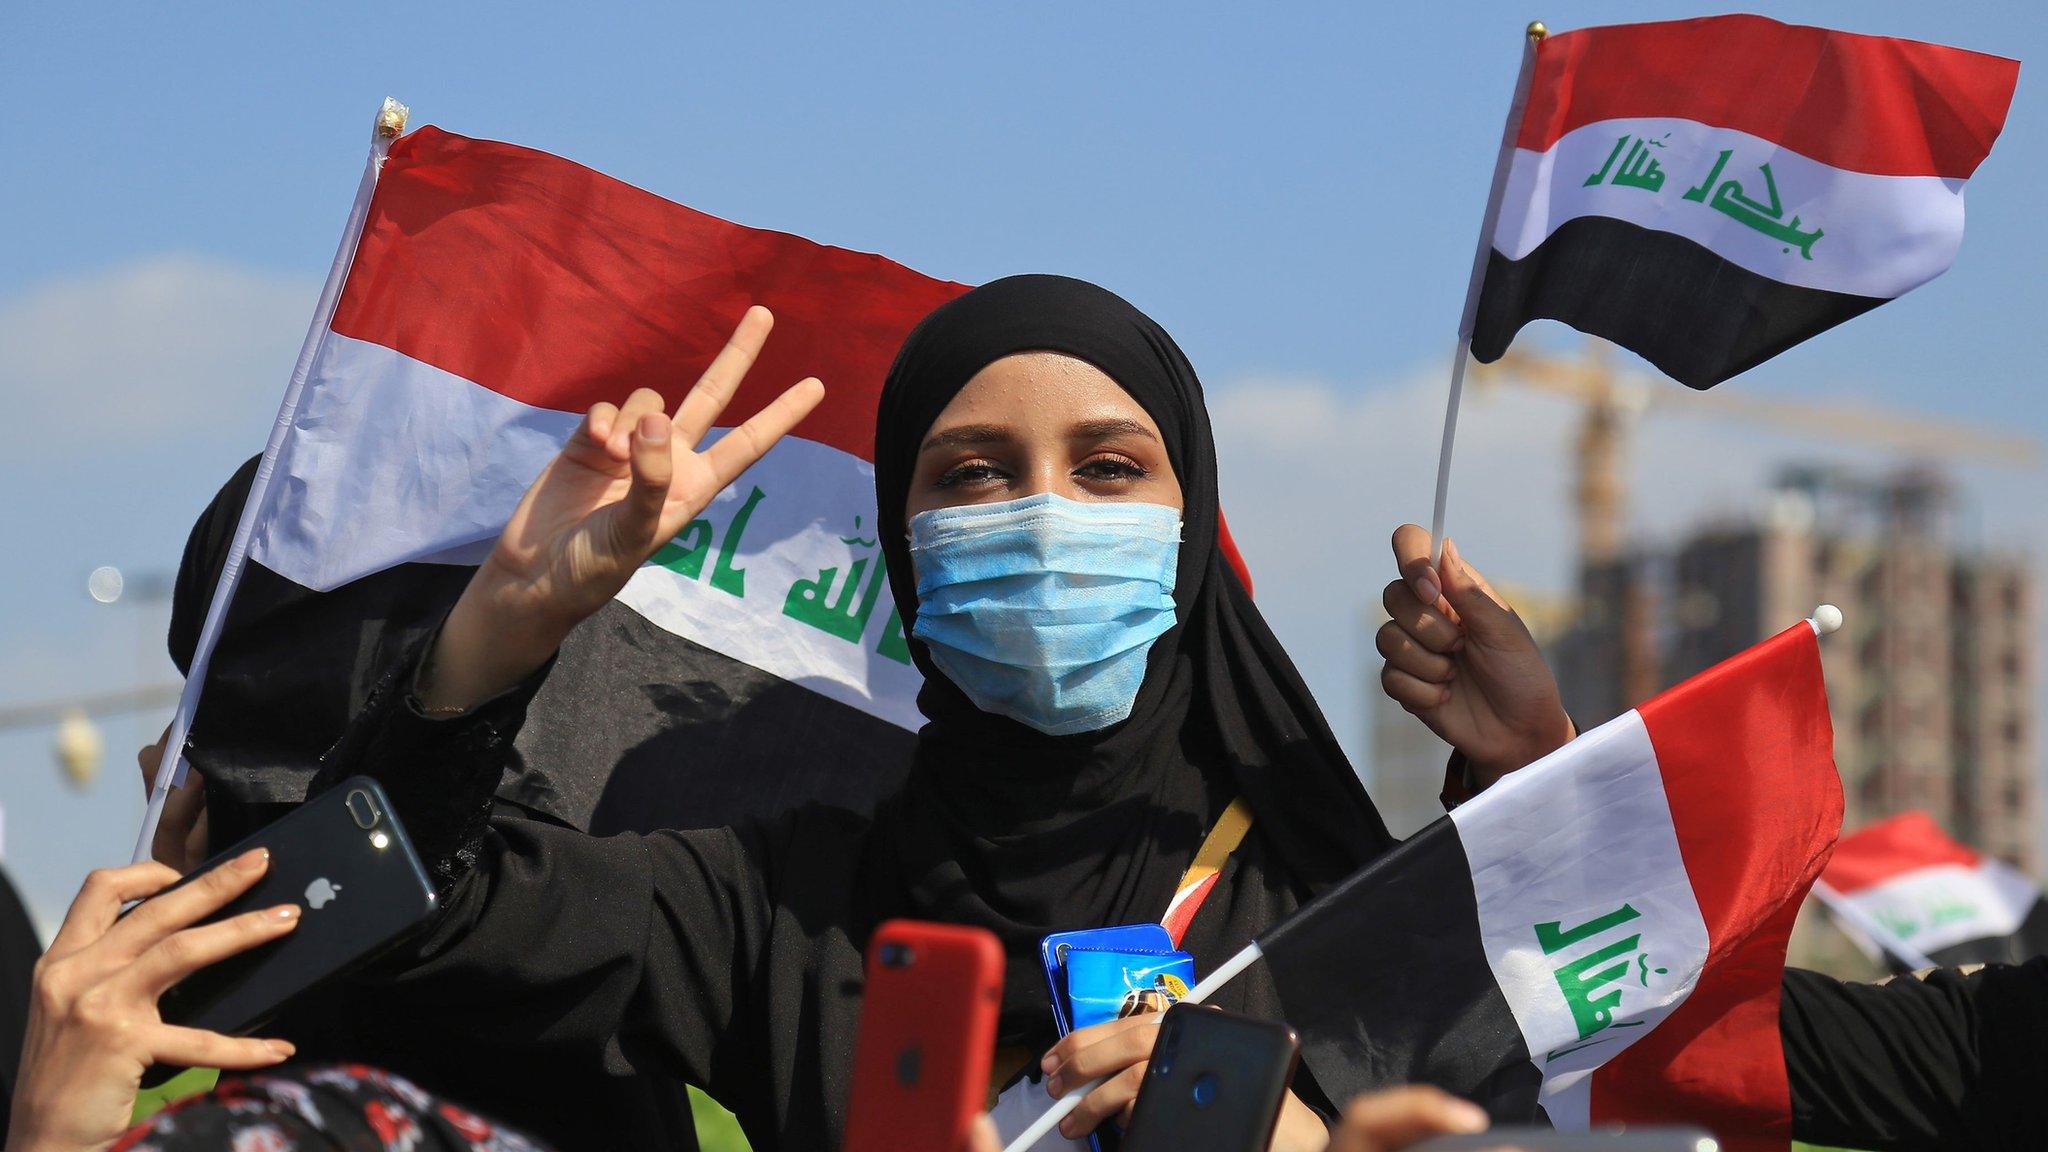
1425 1008
1696 316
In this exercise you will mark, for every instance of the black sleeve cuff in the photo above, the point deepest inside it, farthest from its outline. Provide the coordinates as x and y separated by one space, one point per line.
440 772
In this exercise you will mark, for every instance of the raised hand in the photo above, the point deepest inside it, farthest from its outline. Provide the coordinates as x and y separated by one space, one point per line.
628 480
1460 660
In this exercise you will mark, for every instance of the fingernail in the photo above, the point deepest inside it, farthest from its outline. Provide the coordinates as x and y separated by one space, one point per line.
1047 1063
1427 588
1052 1087
1467 1116
254 860
282 1048
286 912
654 429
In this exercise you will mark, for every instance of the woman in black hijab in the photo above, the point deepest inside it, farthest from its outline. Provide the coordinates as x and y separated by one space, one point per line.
732 957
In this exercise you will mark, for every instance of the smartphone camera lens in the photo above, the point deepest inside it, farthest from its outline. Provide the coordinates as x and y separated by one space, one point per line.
1204 1090
897 956
363 809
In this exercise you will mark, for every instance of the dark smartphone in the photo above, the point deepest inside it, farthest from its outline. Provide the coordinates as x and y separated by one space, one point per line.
1518 1139
1216 1081
927 1037
343 857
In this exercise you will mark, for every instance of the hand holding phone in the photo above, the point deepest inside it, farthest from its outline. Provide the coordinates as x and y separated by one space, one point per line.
1216 1080
94 1022
344 860
927 1037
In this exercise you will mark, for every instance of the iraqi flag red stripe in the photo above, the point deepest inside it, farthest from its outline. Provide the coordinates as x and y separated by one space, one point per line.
1890 848
559 286
1872 104
1716 1058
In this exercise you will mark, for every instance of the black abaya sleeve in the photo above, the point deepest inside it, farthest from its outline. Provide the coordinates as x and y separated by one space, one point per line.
636 951
1952 1061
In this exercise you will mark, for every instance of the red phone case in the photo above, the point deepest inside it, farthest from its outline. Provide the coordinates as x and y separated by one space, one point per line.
927 1035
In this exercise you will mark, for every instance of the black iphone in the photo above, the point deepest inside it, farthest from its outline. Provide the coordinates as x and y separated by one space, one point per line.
343 857
1216 1081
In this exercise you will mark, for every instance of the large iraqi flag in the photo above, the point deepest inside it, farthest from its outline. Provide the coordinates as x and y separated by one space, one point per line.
1909 893
1710 192
495 293
1599 937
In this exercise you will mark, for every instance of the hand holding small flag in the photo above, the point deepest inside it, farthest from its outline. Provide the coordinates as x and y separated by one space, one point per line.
1461 661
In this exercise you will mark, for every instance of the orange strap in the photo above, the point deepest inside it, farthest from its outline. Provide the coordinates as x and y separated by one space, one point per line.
1201 875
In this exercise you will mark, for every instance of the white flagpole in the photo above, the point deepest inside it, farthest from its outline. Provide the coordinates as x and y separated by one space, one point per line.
170 771
1203 989
1513 128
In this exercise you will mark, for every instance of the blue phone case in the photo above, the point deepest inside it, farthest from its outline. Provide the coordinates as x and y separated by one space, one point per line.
1124 938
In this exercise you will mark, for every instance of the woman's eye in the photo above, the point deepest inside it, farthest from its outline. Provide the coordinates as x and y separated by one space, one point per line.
968 473
1112 468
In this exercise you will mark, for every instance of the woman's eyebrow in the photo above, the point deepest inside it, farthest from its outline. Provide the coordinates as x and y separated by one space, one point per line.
1104 429
968 436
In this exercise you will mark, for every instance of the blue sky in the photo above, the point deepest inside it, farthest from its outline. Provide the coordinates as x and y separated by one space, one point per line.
1293 190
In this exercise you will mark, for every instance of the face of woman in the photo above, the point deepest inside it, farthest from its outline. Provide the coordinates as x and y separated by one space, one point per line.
1038 422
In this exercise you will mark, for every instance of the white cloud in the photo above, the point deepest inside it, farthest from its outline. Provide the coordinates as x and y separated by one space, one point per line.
161 350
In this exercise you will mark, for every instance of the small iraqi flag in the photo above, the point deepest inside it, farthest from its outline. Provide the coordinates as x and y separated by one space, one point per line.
1599 937
1910 896
1708 193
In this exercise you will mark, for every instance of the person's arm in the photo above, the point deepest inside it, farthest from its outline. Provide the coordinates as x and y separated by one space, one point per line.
1954 1060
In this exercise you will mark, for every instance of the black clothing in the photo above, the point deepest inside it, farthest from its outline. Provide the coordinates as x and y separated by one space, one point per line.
732 956
1025 834
1955 1061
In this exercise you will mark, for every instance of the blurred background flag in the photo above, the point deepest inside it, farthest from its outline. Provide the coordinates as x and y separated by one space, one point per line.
1597 938
1710 192
1912 897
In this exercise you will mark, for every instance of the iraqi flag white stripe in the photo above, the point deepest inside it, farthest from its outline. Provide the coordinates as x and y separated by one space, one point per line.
1537 858
392 460
1881 235
1929 909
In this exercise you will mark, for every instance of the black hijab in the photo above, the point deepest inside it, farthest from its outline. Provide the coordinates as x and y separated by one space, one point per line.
1027 834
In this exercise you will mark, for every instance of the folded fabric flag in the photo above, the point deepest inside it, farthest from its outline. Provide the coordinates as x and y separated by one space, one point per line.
1710 192
1599 937
1907 893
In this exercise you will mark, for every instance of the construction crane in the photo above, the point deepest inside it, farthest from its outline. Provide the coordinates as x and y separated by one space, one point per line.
1614 398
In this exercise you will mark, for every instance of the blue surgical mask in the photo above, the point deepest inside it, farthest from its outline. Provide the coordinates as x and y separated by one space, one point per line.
1043 609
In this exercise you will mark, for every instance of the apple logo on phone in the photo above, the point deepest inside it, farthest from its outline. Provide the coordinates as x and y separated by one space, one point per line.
319 892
